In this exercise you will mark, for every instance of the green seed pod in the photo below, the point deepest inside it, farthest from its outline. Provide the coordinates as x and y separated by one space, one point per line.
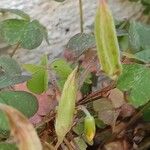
66 106
89 127
106 41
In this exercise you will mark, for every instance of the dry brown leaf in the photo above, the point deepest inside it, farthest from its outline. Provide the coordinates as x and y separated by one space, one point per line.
21 129
117 98
47 102
109 117
106 111
117 145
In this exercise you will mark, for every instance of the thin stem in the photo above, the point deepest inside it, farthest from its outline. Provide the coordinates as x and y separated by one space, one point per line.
57 145
46 120
81 15
15 49
96 95
49 146
83 108
74 144
68 144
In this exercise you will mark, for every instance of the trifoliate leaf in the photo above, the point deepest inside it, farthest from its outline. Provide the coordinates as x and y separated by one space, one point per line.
18 12
32 35
39 81
22 101
28 34
139 36
143 56
135 80
10 72
81 42
62 70
11 30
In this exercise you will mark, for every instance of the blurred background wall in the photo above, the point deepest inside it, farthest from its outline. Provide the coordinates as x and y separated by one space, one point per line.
62 21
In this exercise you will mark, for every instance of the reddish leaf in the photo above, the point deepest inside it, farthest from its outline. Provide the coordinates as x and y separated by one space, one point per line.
106 111
117 98
47 102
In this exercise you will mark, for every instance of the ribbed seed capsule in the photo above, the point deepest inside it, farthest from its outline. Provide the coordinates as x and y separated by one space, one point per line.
66 106
107 43
89 127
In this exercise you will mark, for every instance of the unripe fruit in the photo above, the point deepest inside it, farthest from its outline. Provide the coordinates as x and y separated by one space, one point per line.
89 127
106 41
66 106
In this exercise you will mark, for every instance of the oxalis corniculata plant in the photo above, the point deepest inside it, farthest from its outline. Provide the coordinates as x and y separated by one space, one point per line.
96 95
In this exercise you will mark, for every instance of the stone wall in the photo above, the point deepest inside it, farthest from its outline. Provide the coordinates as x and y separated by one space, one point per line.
62 21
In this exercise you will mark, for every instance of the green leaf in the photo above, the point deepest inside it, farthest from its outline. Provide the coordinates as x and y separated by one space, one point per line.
28 34
145 111
7 146
39 81
81 42
135 80
61 67
99 123
20 13
62 70
7 80
139 36
143 56
9 65
44 31
86 88
11 30
146 115
22 101
32 36
10 72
